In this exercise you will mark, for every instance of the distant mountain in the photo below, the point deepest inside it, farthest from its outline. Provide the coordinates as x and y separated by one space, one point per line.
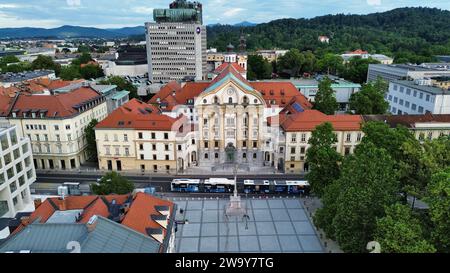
245 24
129 31
241 24
70 32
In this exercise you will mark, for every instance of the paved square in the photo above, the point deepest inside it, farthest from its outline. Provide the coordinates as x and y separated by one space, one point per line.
274 225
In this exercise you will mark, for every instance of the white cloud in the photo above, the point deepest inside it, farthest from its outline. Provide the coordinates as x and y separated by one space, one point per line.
7 20
232 12
143 10
73 3
374 2
9 6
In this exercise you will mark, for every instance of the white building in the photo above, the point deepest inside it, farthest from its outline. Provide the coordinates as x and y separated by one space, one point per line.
404 71
417 97
383 59
16 171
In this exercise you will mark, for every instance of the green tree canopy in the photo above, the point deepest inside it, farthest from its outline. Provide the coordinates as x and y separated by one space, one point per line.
399 231
291 63
258 68
84 58
112 183
122 84
438 198
91 71
331 64
368 183
91 140
45 62
356 69
325 100
370 99
322 158
70 73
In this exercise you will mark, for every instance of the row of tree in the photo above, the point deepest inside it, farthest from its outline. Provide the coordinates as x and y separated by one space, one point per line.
364 195
297 64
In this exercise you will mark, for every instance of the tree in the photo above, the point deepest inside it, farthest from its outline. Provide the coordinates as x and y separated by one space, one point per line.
89 132
112 183
404 148
70 73
258 68
322 158
9 59
331 64
91 71
122 84
356 69
291 63
438 198
84 58
399 231
370 99
45 62
368 183
325 100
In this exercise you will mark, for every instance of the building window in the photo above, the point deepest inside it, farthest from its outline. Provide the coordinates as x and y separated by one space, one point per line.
349 138
142 157
140 136
292 150
216 155
206 156
303 139
358 137
125 137
153 136
166 135
294 138
255 144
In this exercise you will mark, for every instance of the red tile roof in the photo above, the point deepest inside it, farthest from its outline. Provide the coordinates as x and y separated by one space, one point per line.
139 215
358 51
57 106
408 121
310 119
136 114
223 66
173 94
280 92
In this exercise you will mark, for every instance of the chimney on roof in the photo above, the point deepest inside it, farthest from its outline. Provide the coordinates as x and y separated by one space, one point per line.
92 223
63 205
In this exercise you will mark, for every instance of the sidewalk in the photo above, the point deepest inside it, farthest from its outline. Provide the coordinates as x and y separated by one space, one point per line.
311 205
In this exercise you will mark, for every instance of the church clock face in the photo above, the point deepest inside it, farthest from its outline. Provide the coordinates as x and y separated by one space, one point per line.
230 92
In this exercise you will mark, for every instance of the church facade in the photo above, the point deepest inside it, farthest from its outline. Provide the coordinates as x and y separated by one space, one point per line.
212 125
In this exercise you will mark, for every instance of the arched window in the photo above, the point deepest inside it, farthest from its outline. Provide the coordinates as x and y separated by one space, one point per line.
245 100
206 156
230 100
205 101
216 100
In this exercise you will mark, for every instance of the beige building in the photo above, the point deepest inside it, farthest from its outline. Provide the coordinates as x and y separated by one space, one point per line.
137 137
55 124
271 55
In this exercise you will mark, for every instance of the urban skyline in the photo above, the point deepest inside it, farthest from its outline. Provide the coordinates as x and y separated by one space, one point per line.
106 14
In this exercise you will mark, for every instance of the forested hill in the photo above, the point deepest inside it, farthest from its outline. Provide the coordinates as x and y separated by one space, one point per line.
408 34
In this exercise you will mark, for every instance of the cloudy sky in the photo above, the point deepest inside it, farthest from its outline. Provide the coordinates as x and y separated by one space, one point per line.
120 13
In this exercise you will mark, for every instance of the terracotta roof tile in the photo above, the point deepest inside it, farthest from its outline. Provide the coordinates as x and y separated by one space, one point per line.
59 105
310 119
139 115
223 66
139 215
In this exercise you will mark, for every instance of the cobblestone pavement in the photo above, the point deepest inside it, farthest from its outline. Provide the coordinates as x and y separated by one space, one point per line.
311 204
